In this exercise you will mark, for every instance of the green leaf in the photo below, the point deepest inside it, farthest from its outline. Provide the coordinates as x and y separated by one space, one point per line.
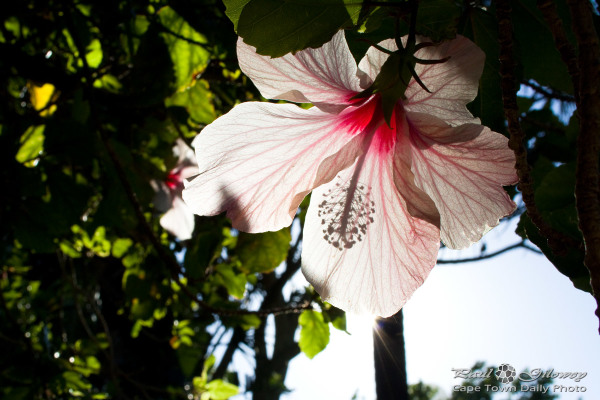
234 10
94 54
208 364
539 57
278 27
555 199
32 145
551 138
569 264
437 19
314 333
120 247
203 248
109 83
197 100
220 390
246 322
556 203
482 29
234 283
75 381
556 190
262 252
100 245
337 318
13 26
142 310
188 357
186 47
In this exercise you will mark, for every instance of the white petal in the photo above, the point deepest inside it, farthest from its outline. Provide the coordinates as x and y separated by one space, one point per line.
179 220
260 160
184 153
188 171
323 75
363 251
463 170
453 84
371 63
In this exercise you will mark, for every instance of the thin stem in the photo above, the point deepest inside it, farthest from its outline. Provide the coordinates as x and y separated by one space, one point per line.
549 93
521 245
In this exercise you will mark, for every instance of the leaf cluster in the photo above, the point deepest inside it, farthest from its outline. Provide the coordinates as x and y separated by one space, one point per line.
97 299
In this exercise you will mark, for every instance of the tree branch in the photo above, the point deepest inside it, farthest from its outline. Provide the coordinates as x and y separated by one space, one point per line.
564 47
558 242
587 177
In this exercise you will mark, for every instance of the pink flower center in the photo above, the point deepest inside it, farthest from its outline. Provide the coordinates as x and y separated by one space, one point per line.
174 180
366 118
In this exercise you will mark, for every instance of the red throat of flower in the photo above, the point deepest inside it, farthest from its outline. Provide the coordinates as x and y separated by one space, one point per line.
366 118
174 180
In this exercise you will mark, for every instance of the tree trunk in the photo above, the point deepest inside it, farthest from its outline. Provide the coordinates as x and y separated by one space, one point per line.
390 358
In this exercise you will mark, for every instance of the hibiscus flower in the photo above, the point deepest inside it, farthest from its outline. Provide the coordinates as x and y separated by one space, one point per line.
177 219
383 195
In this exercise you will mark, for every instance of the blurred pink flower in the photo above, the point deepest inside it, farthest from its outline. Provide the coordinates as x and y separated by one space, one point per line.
382 196
177 219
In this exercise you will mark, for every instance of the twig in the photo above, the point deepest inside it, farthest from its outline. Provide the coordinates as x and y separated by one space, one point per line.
181 37
587 177
522 245
549 93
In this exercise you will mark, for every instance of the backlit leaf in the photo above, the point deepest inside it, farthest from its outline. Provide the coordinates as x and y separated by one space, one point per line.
314 333
93 56
186 47
32 145
263 252
40 96
234 282
221 390
197 100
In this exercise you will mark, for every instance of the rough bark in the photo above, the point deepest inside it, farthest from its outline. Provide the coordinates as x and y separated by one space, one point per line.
587 191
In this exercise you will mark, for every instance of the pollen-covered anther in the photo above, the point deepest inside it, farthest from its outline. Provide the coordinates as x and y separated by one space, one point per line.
345 213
